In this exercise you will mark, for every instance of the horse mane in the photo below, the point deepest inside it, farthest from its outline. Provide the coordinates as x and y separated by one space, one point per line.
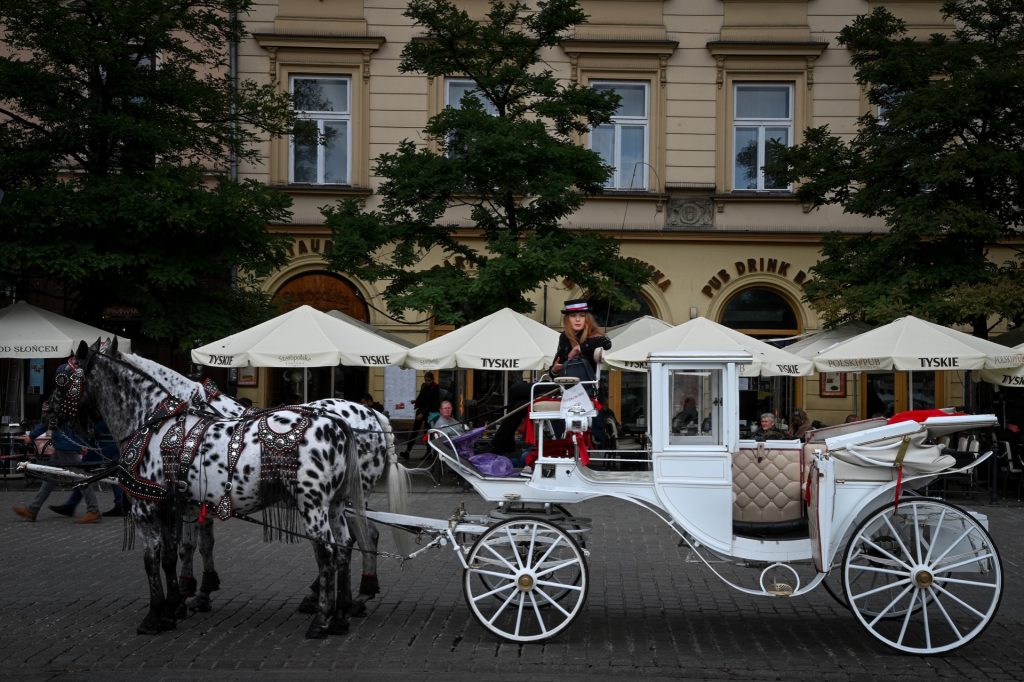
176 384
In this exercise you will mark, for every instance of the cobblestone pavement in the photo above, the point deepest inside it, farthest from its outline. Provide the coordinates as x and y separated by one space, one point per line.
72 600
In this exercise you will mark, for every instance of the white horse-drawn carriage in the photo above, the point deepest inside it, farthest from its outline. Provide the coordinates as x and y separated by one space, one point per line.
846 509
920 574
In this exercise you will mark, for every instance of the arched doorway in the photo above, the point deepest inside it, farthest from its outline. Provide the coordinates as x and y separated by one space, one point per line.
763 312
324 291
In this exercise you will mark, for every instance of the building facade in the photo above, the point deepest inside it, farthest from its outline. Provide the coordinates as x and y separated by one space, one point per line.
704 85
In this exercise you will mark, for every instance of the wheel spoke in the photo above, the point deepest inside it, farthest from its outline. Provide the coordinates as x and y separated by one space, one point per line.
882 588
500 558
504 604
965 562
878 569
551 602
898 539
538 614
958 600
938 528
512 544
560 586
945 579
888 608
557 567
493 592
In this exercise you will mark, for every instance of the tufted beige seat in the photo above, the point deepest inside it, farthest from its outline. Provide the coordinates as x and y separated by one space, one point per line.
767 484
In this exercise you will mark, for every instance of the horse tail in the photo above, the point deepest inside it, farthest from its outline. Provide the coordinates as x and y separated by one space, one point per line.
354 480
398 484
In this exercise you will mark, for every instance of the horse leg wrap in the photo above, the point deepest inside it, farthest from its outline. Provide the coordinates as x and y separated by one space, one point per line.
369 585
187 585
211 582
338 626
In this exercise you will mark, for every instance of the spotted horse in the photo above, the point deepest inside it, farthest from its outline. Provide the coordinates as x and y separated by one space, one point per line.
300 456
375 452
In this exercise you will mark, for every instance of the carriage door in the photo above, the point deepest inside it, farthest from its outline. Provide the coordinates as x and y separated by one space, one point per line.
694 429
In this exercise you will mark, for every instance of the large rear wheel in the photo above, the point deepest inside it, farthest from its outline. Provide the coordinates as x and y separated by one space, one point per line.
527 579
924 578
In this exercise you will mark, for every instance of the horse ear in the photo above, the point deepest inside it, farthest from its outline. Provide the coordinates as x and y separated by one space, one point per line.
113 346
80 354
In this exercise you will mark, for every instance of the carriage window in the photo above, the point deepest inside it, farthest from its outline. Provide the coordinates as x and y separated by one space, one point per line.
696 407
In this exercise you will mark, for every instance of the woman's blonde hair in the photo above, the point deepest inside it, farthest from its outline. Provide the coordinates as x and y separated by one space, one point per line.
590 327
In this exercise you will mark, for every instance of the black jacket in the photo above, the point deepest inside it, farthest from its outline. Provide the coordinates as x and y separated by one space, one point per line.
587 349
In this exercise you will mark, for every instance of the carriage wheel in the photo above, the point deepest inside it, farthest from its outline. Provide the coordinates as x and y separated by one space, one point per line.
568 521
925 578
536 579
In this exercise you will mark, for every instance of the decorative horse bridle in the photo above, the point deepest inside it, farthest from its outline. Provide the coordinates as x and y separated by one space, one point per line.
67 396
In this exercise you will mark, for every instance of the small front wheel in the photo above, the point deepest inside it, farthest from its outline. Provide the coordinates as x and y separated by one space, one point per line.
924 578
527 579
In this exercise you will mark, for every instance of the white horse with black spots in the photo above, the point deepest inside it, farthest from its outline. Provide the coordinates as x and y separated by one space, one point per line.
171 455
376 452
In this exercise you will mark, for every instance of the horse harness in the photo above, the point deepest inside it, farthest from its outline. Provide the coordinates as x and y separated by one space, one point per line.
180 446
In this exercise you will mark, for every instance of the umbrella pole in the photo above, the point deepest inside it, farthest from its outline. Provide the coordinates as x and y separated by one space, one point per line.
305 386
910 389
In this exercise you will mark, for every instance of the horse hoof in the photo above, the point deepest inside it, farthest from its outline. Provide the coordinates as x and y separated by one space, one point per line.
315 631
309 604
338 626
357 609
200 603
149 626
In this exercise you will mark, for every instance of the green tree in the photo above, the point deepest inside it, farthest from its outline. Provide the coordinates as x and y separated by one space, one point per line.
940 160
506 158
119 121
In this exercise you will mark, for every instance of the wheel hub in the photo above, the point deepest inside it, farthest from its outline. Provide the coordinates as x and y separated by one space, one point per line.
525 582
924 578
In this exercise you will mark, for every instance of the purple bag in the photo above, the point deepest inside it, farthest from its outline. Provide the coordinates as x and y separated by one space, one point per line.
489 464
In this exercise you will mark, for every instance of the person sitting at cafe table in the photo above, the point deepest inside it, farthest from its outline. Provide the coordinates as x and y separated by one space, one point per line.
769 430
686 416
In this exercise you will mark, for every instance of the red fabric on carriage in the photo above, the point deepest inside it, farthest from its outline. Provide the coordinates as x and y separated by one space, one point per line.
563 447
921 415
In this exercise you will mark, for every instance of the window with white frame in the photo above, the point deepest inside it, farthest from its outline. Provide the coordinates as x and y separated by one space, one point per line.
622 143
762 112
320 151
457 88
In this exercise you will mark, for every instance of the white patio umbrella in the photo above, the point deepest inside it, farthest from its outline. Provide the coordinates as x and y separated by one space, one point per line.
912 344
303 337
1006 377
636 330
29 332
505 340
703 334
812 344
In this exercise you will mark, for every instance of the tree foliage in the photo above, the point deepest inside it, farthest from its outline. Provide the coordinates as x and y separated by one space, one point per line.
939 160
515 172
119 121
